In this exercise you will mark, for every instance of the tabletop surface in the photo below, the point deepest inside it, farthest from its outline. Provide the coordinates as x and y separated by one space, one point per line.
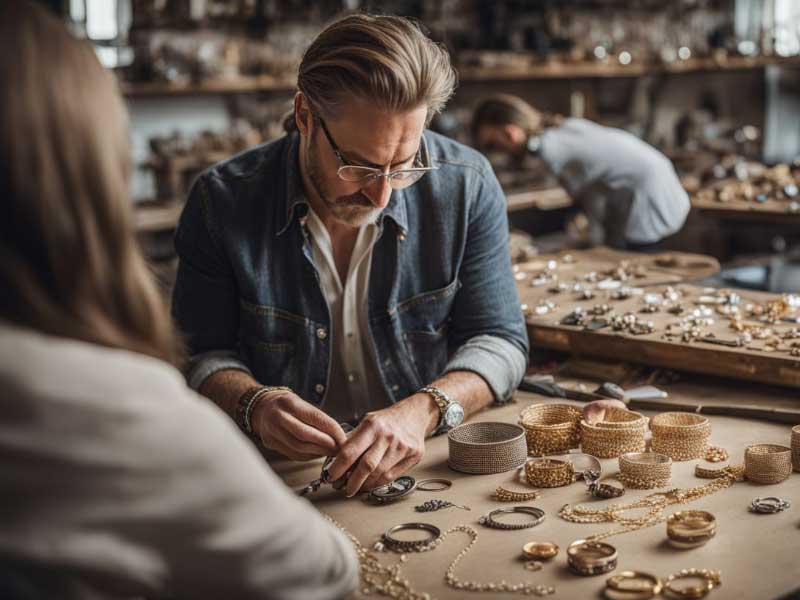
757 554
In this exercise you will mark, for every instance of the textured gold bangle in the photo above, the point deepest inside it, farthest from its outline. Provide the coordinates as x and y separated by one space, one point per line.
551 428
645 470
796 447
549 472
767 463
619 432
691 528
681 436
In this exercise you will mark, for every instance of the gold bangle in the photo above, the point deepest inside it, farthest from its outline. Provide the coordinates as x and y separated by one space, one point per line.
551 428
632 585
549 472
501 494
712 580
767 463
691 528
588 557
681 436
539 550
645 470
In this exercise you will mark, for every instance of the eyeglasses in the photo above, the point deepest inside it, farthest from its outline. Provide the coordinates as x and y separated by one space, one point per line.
399 179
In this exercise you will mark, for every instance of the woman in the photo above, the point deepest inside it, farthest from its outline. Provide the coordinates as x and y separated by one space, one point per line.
115 479
628 189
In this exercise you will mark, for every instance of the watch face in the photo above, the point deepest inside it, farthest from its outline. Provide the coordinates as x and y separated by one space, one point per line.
454 415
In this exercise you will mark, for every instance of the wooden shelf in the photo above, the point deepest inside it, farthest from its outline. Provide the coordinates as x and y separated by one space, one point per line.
543 199
150 217
260 83
589 70
550 70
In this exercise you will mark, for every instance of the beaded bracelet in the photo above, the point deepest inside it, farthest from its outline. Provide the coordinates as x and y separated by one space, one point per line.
247 404
549 472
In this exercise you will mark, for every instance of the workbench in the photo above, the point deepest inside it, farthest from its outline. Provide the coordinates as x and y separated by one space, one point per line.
756 553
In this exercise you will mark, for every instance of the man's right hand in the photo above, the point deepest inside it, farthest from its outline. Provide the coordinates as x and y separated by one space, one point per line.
295 428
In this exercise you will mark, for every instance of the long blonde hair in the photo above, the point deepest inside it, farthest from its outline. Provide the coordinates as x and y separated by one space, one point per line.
69 261
385 59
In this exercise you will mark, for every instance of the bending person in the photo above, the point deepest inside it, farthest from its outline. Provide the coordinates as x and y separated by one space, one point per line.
629 191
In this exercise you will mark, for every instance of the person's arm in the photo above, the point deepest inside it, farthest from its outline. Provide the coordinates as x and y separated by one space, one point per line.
205 305
488 330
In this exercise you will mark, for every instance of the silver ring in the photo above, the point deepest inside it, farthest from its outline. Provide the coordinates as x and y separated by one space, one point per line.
435 484
769 505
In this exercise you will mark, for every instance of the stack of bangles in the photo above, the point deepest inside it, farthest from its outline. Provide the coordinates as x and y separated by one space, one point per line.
691 528
549 472
585 557
645 470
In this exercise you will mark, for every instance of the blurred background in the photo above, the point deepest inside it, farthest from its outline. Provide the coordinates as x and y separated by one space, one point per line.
713 84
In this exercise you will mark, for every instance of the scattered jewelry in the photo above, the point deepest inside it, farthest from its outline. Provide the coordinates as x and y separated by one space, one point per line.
539 550
716 454
436 504
504 495
533 565
769 505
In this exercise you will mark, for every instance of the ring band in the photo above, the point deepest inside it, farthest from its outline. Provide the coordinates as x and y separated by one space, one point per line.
434 484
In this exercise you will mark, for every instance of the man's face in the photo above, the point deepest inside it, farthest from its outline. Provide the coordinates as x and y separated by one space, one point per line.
365 137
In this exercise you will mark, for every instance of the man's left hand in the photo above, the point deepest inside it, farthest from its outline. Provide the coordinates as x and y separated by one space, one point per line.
386 444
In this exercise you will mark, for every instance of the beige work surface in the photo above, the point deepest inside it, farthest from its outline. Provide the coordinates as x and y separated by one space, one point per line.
759 555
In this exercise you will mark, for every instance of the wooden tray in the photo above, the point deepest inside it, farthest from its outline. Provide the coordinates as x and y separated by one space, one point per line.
758 360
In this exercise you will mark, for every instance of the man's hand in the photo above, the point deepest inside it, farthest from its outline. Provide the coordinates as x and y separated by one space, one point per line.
298 430
388 443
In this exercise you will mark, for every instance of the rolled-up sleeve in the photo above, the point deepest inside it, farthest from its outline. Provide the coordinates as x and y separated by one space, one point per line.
501 364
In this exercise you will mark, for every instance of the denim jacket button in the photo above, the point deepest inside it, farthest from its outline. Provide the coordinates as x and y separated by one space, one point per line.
319 388
322 333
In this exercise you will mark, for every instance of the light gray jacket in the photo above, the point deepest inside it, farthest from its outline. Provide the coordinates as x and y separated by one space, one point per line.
116 480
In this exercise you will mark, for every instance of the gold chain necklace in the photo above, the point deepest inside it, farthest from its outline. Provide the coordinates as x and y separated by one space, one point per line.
654 505
387 580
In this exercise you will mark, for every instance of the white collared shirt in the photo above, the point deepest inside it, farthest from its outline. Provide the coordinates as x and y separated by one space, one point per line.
354 386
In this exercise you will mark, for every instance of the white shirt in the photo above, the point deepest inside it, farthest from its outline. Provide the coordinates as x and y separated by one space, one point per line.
354 386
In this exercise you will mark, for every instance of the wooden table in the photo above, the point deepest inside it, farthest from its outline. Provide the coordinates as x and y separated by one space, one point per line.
757 554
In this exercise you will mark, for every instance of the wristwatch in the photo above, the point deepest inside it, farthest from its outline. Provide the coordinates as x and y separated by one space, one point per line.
451 413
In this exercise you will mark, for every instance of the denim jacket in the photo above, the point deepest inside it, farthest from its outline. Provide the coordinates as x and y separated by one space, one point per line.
441 294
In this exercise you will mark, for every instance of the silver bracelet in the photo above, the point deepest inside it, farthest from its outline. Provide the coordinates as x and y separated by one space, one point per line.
488 519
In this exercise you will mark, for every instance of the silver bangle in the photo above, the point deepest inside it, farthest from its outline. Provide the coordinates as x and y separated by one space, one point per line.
769 505
487 520
411 545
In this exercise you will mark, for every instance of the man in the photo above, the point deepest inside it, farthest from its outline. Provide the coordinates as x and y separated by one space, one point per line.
628 189
357 269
